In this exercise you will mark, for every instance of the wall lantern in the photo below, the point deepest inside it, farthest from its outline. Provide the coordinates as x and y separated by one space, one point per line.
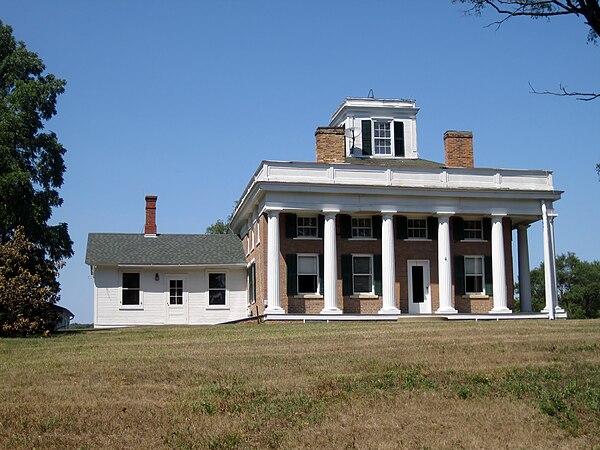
156 277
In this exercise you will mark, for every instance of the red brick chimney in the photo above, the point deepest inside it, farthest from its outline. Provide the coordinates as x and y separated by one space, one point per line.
459 148
330 144
150 228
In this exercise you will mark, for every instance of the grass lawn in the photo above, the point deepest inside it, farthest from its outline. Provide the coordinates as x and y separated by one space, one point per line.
507 384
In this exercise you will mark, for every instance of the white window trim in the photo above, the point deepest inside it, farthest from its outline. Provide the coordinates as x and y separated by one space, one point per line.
481 239
390 122
139 306
482 258
304 294
372 292
248 301
359 238
426 238
257 231
308 238
216 307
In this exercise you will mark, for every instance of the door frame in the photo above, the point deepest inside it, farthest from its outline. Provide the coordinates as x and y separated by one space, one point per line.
184 307
425 307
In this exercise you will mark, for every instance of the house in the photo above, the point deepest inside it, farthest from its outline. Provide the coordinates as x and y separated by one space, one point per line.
156 279
60 317
371 228
368 231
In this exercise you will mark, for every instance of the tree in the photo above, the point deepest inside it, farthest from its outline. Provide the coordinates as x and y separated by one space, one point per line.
589 10
219 227
578 286
28 288
31 161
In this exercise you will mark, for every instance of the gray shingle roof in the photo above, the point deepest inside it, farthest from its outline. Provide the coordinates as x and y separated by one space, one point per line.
164 249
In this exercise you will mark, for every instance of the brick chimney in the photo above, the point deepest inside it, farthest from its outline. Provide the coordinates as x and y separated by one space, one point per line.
459 148
330 144
150 228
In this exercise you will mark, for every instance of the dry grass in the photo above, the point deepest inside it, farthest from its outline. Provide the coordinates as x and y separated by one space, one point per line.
506 384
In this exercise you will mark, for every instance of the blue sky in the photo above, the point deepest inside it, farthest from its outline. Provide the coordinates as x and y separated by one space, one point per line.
183 99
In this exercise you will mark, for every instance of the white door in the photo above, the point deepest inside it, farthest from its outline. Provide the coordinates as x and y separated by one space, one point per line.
419 292
176 301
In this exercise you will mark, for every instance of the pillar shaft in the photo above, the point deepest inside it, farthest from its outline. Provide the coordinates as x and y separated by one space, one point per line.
524 272
273 267
330 270
498 267
388 268
444 266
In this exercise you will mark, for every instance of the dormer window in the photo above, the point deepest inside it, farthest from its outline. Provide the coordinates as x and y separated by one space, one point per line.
382 138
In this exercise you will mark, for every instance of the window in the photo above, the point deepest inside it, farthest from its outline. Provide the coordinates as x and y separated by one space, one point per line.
362 274
474 281
307 227
361 227
308 270
176 292
416 228
252 284
131 289
217 289
473 229
383 138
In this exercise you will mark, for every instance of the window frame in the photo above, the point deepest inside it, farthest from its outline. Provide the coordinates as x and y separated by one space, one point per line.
304 226
410 228
389 138
122 288
357 227
371 275
316 274
177 296
481 258
208 290
479 230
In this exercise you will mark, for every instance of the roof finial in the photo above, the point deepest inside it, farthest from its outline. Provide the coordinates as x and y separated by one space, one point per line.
370 94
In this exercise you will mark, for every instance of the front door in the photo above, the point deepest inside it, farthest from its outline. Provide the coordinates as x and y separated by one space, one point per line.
176 301
419 293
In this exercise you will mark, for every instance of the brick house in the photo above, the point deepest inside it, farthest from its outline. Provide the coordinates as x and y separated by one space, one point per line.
371 228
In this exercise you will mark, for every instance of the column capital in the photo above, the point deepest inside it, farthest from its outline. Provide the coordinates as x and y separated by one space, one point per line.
273 212
523 226
330 212
444 214
388 214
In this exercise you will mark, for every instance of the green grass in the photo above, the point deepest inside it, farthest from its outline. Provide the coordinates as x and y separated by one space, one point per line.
515 384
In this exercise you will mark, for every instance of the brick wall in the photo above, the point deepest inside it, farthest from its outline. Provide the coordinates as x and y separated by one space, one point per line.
330 144
458 147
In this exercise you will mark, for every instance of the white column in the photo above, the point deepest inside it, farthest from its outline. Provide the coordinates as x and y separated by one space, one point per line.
498 267
330 270
444 265
549 263
388 262
273 267
524 272
551 216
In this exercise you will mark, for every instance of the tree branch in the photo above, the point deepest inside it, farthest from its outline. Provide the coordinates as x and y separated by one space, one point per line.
563 92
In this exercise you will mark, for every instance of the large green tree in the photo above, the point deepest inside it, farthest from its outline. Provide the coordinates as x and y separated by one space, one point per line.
31 159
578 286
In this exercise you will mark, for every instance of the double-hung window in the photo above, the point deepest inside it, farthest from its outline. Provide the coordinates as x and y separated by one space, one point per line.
130 289
362 227
382 135
416 228
474 278
362 274
308 274
473 229
307 227
217 289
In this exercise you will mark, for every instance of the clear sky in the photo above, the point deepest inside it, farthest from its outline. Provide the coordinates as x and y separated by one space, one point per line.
183 99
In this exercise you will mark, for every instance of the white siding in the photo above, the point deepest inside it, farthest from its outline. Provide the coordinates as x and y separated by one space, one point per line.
154 297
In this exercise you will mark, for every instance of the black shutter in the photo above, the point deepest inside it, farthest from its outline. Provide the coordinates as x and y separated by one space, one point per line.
487 229
291 224
401 227
377 274
291 262
458 228
489 282
321 274
320 225
432 228
376 224
366 137
459 275
399 139
346 226
347 275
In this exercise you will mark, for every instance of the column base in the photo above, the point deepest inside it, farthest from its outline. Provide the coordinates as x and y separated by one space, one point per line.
557 309
500 311
274 310
331 311
389 311
449 310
